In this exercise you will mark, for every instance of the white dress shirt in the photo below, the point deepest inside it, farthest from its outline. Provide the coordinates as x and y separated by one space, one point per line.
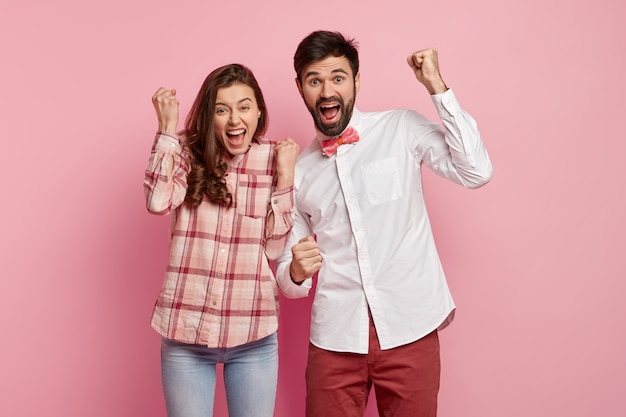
365 206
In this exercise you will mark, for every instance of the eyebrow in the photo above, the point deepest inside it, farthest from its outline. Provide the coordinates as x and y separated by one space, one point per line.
335 71
219 103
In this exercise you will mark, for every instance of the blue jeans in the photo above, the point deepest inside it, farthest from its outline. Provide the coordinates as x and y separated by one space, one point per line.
250 378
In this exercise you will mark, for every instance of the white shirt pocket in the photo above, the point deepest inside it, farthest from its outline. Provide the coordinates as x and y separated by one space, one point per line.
382 181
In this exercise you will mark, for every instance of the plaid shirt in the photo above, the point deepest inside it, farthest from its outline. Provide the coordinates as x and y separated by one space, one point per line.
219 290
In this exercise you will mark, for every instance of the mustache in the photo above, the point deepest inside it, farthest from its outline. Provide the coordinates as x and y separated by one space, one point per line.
325 100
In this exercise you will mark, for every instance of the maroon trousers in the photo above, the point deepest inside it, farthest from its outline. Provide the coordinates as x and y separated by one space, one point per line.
405 379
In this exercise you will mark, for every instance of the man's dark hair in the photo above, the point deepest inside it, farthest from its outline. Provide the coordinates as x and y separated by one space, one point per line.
320 45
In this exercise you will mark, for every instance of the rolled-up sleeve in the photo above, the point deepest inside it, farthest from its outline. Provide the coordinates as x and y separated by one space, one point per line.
281 206
165 180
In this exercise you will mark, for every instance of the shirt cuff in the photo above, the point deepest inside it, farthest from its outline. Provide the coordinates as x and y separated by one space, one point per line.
282 200
289 288
282 203
446 103
167 143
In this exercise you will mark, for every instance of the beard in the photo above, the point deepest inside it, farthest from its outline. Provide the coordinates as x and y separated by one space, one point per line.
335 129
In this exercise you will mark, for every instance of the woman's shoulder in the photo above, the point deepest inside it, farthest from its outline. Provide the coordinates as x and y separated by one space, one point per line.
262 145
263 141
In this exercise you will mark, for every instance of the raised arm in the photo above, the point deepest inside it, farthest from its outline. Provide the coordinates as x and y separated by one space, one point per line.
455 152
280 216
165 181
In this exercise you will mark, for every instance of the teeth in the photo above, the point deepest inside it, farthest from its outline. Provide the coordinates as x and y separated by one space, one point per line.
236 132
328 106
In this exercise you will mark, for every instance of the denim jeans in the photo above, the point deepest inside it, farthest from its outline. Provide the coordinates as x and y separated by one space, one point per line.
250 378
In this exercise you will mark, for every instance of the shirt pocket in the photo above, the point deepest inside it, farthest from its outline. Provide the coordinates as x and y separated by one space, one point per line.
382 181
253 195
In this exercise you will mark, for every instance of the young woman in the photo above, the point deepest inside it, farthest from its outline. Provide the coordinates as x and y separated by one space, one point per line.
229 192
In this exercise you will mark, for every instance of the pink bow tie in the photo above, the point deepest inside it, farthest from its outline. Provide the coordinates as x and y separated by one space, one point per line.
330 146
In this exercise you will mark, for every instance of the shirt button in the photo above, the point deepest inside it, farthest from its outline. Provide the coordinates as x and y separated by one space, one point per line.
222 250
214 302
218 274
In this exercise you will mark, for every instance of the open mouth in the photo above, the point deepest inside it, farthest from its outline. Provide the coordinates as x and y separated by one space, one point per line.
236 137
329 112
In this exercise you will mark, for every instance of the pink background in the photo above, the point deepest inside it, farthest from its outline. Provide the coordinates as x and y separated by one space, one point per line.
535 260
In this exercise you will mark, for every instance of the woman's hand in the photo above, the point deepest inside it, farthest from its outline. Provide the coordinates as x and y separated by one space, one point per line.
166 106
285 154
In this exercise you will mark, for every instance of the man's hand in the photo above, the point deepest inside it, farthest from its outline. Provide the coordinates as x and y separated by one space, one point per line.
425 65
306 261
166 106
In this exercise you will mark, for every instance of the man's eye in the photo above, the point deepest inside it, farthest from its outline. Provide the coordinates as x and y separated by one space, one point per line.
338 79
315 82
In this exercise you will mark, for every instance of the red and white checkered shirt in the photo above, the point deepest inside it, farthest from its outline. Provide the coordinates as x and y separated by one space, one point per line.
219 289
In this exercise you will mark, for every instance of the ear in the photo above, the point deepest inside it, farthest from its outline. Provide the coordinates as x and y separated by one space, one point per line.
299 87
357 81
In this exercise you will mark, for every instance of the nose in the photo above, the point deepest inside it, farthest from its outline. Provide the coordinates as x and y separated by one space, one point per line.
327 90
234 118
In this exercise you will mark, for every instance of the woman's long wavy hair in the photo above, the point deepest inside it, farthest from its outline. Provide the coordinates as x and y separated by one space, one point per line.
208 169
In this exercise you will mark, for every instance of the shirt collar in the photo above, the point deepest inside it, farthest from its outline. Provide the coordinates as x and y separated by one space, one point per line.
235 160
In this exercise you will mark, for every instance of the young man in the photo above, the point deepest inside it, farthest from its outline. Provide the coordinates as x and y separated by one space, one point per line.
381 293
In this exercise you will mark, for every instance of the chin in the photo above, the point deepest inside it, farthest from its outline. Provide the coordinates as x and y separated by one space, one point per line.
240 150
234 152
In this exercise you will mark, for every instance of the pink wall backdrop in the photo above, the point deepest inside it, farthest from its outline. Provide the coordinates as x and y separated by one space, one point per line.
535 260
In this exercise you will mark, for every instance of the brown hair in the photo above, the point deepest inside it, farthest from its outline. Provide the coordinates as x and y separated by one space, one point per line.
208 169
323 44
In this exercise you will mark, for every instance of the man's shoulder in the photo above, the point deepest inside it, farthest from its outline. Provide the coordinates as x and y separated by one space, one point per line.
390 115
381 121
